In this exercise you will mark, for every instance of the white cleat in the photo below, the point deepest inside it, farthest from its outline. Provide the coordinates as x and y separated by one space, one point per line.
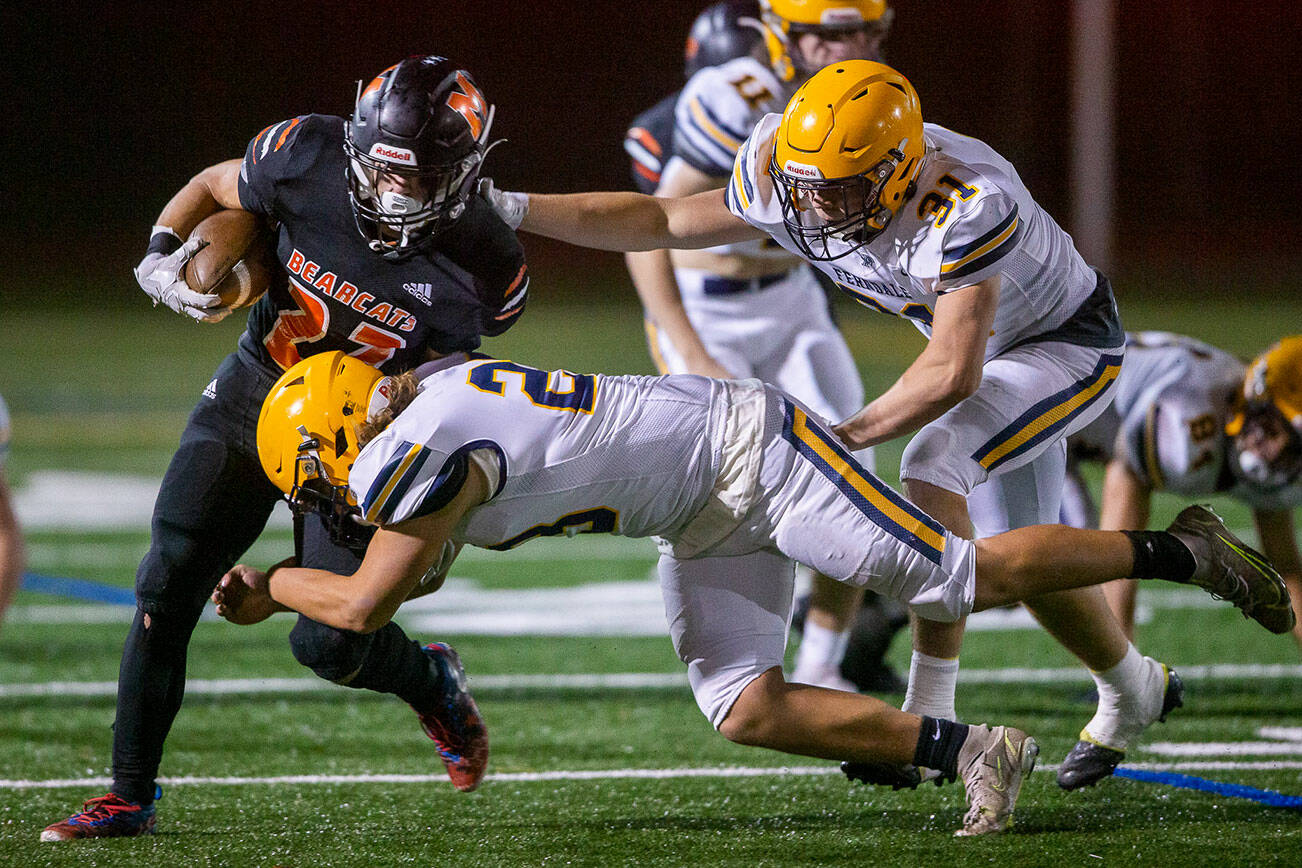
993 763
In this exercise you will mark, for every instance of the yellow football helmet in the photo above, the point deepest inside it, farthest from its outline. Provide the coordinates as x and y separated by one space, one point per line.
847 152
784 20
307 433
1270 403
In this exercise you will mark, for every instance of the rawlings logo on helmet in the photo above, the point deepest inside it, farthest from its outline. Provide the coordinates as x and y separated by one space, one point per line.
802 170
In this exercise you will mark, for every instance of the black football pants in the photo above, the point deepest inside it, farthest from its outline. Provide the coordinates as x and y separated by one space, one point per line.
213 504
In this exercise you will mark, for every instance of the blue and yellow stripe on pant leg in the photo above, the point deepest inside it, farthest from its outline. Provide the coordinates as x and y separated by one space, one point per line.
1047 418
881 504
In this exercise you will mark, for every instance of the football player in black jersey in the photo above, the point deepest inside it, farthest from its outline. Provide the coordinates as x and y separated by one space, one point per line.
388 256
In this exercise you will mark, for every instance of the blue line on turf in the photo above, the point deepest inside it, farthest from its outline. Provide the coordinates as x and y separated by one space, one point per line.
1189 782
80 589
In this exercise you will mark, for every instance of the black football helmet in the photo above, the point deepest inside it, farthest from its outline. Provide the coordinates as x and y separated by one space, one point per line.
425 124
718 34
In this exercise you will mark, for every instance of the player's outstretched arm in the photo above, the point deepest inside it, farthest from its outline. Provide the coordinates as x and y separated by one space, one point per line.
623 221
398 558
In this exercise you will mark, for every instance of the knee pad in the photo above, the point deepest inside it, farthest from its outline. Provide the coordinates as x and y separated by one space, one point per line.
333 654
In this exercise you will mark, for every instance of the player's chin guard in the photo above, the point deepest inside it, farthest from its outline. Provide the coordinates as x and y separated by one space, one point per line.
785 20
847 154
1267 418
307 437
426 122
722 32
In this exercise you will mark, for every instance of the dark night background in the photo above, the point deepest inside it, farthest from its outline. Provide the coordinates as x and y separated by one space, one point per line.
113 108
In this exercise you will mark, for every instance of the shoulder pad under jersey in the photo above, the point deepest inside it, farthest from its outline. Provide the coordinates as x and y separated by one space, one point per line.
279 152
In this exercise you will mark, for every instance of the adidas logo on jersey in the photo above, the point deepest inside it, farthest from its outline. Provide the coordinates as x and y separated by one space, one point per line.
423 291
210 391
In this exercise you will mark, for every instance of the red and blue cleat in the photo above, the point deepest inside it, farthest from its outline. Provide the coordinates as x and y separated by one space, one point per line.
454 725
108 816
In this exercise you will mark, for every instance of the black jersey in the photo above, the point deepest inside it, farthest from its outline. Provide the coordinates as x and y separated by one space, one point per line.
341 295
648 142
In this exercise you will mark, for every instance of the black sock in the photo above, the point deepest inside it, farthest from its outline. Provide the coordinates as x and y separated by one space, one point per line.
938 744
396 664
1160 555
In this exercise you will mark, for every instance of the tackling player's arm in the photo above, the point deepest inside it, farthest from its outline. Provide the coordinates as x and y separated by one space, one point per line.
1279 545
944 373
652 272
398 558
633 221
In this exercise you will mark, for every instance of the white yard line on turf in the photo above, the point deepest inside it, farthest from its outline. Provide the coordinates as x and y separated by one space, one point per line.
583 775
616 680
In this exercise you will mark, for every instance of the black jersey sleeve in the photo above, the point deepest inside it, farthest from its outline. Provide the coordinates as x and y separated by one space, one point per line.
278 154
647 143
489 251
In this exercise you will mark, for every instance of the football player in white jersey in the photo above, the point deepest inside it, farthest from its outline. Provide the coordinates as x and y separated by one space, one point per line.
1025 345
1192 419
736 479
11 539
753 309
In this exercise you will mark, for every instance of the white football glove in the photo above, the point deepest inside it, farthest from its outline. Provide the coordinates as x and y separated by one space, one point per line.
511 207
157 275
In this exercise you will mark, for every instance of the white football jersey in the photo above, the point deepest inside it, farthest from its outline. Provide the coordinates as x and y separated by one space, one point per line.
714 114
4 432
1167 422
573 453
971 218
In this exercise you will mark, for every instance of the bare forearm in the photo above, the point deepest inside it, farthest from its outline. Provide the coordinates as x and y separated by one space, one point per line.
606 221
923 393
205 194
319 594
653 278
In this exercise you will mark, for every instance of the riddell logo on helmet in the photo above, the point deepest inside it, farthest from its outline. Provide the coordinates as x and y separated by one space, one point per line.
397 155
800 170
840 17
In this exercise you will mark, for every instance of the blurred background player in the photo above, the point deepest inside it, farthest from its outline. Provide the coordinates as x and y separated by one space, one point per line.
1024 341
1193 420
390 258
753 309
12 556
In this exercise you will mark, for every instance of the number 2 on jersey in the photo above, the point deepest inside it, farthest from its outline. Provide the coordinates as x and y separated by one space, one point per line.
576 393
311 321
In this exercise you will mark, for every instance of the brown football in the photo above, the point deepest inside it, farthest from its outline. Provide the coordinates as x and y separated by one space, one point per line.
238 261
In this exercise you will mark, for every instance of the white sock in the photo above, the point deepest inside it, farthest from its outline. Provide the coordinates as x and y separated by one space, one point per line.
1130 698
820 649
932 681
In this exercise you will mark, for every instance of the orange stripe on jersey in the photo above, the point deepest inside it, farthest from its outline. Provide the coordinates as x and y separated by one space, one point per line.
652 176
645 139
280 141
519 276
258 138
